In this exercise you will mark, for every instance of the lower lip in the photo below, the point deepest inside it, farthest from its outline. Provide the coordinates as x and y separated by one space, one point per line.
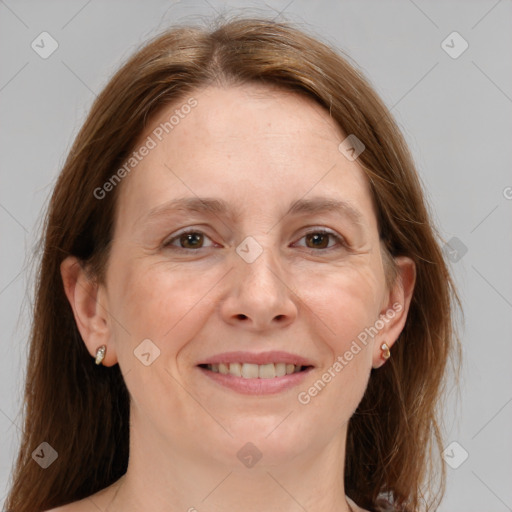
257 386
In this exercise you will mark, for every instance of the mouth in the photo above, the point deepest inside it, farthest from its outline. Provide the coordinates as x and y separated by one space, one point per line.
256 374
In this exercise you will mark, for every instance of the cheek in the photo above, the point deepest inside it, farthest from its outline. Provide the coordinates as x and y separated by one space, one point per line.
347 303
168 307
159 303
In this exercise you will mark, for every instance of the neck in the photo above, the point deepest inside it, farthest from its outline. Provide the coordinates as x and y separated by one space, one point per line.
163 476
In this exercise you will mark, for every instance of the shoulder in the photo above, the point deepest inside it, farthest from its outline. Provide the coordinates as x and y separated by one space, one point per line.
94 503
85 505
76 506
64 508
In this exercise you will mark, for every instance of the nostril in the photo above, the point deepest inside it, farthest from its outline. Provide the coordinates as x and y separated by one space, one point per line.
241 316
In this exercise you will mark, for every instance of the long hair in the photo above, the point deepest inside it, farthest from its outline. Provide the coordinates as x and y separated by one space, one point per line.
81 410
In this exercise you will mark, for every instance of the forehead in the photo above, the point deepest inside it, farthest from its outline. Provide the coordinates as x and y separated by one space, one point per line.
248 144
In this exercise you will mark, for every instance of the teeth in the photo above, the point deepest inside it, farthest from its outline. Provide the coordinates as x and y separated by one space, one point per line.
235 369
249 371
280 369
267 371
255 371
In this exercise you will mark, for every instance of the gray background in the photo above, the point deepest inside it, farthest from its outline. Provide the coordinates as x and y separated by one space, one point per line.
457 117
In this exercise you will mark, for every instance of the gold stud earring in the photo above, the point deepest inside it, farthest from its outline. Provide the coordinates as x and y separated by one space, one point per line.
386 354
100 354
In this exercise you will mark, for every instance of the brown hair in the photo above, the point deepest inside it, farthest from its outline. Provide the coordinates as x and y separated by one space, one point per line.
82 410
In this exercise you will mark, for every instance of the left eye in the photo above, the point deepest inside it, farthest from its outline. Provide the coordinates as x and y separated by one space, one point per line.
320 239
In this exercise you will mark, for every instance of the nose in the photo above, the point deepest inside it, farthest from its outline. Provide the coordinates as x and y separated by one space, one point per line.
259 297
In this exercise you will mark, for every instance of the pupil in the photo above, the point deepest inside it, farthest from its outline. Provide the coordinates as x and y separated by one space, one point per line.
193 239
316 237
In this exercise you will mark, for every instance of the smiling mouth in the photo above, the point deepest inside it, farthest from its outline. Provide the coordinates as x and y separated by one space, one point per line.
255 371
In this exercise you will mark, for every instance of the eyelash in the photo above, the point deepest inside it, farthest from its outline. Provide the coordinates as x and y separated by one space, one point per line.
339 239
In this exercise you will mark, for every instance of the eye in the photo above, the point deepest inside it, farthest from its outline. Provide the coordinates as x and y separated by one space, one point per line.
319 239
194 239
191 239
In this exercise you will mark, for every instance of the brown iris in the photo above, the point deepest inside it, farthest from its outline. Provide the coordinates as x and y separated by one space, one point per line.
318 239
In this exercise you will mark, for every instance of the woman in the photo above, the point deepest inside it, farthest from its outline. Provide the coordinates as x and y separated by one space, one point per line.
240 242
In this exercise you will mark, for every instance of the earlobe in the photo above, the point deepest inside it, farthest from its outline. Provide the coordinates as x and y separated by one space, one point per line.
394 313
84 294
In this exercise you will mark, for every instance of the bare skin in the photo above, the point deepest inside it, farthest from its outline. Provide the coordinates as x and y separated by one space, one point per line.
308 293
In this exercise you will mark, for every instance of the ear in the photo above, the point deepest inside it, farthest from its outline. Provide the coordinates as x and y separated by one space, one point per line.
88 301
393 314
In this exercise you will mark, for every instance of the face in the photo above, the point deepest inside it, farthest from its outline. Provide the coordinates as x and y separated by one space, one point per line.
245 263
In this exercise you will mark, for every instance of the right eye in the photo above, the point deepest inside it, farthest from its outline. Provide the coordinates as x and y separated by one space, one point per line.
191 239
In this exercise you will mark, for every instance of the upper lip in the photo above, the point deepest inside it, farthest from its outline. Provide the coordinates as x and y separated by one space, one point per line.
258 358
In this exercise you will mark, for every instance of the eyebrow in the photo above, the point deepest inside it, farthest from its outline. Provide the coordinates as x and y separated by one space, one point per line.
324 205
216 207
